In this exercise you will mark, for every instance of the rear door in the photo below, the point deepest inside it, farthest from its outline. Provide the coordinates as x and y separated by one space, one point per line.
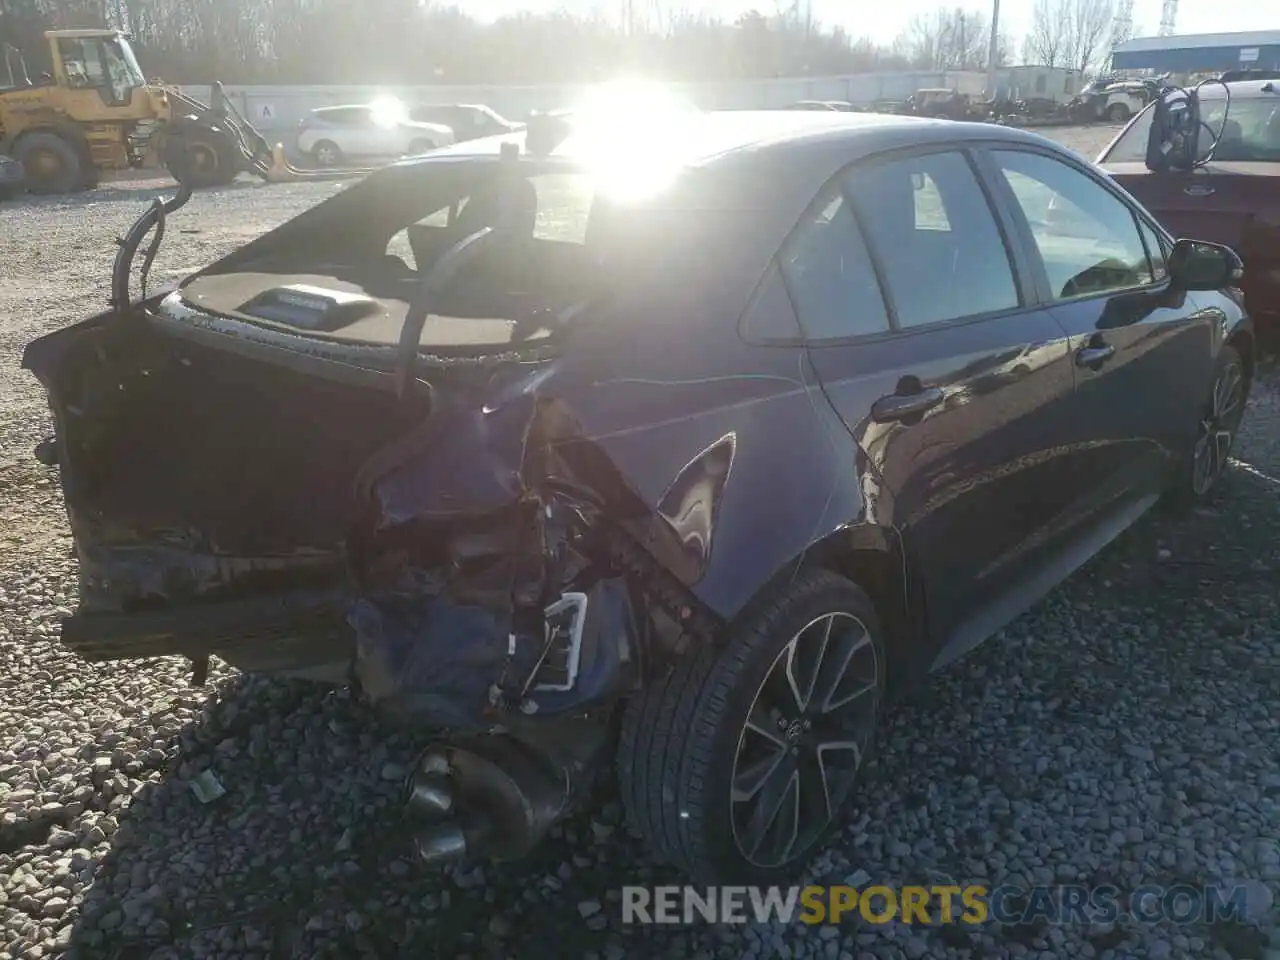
1142 354
922 330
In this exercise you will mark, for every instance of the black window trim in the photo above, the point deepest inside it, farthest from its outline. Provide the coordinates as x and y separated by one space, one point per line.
774 265
1019 265
1046 297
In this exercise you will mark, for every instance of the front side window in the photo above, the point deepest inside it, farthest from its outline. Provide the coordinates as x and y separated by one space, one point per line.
82 60
1087 237
829 273
104 65
929 221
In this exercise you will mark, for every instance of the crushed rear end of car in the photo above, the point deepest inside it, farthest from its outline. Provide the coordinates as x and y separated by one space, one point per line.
348 469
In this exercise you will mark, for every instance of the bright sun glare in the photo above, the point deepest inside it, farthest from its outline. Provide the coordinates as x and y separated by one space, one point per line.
387 111
629 138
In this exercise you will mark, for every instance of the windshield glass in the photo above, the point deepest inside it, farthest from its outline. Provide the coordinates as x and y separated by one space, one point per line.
1252 132
126 64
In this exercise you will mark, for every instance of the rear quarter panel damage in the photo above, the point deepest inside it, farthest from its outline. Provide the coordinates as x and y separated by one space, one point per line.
722 483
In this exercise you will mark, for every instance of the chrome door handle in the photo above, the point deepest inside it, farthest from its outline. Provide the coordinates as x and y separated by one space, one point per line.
900 406
1094 356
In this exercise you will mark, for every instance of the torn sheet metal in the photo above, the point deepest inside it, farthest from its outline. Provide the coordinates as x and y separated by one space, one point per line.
438 662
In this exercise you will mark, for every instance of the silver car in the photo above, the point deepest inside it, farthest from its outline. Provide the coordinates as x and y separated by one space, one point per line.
329 135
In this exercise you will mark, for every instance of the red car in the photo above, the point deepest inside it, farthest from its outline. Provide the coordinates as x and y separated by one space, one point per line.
1233 198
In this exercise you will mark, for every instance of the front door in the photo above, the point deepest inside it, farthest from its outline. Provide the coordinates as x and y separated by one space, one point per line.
955 387
1102 267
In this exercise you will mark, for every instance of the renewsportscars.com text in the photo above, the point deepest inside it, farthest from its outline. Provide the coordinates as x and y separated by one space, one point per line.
933 905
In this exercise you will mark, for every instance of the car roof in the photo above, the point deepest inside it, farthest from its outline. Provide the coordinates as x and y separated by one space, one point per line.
1249 89
829 137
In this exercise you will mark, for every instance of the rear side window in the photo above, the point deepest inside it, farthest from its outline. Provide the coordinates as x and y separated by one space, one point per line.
345 116
829 274
930 224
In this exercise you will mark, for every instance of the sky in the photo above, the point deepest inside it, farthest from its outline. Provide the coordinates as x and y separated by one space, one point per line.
884 21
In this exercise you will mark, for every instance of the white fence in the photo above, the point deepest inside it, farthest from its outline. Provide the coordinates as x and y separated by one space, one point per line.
276 110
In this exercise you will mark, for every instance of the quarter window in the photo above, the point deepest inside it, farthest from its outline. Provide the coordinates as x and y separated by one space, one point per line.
937 239
1087 237
829 273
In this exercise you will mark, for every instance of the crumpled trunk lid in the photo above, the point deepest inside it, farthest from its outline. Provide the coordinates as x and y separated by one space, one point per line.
209 492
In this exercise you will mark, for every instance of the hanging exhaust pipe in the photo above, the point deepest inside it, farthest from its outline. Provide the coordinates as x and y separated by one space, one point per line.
491 796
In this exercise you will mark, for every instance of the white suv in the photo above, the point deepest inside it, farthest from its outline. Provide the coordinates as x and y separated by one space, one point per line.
330 134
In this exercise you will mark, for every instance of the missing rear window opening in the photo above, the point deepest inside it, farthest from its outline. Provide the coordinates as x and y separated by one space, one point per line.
561 204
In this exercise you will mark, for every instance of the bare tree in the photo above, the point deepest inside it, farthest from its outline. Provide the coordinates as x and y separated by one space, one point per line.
1049 42
946 39
1090 26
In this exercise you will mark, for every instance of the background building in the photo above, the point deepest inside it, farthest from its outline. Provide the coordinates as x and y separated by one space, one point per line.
1200 53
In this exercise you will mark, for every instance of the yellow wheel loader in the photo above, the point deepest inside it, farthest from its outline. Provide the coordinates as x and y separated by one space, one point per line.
95 112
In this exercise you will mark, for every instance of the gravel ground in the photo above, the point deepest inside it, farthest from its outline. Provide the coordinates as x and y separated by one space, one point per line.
1122 731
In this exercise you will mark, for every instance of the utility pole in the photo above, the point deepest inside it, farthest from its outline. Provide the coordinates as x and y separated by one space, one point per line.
992 48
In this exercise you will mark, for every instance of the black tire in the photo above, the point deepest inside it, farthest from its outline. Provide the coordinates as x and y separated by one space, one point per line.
682 734
326 153
1218 414
210 157
52 164
1119 113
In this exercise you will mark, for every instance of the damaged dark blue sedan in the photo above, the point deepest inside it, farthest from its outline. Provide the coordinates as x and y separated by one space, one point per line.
671 453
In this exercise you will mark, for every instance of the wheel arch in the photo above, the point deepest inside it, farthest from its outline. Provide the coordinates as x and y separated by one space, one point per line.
874 558
1243 342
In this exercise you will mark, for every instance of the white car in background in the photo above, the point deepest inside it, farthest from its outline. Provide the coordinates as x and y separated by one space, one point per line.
374 131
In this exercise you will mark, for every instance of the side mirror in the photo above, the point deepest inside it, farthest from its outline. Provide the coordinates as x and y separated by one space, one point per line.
1197 265
1175 131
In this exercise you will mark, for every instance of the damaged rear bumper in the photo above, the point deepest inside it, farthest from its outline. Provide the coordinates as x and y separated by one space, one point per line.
299 631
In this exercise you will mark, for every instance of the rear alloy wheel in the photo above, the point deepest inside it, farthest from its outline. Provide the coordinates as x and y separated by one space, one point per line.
52 164
326 154
1219 424
738 765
